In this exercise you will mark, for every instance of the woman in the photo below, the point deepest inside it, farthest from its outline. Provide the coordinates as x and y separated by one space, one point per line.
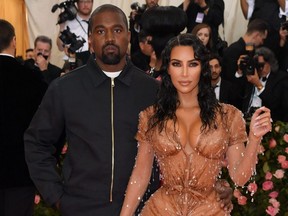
191 133
203 32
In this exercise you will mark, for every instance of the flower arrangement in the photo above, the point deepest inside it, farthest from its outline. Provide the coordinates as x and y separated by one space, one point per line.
267 191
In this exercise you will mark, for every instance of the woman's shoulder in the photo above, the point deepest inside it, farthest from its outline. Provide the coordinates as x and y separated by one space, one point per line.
230 111
147 112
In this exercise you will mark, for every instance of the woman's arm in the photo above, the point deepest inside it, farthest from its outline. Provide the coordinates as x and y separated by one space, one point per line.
242 160
139 179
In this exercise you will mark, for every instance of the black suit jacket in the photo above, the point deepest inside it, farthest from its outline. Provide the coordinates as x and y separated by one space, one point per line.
274 96
48 75
20 94
227 93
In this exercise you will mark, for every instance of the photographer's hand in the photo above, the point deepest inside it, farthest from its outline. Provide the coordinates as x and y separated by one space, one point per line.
239 71
41 62
255 80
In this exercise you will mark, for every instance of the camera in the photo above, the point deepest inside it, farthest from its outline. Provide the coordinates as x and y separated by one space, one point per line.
139 10
248 62
69 13
44 56
69 38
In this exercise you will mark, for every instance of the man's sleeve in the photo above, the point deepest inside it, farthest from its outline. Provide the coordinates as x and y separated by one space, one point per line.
39 140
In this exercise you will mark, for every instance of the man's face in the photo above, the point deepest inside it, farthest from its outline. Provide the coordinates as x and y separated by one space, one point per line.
215 69
109 40
85 7
29 55
152 3
264 67
43 49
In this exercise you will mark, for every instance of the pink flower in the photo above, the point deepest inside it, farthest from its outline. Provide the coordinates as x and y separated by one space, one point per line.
237 193
286 150
252 187
279 174
268 176
277 129
272 211
281 158
64 149
37 199
267 185
273 194
272 143
275 203
284 164
242 200
285 138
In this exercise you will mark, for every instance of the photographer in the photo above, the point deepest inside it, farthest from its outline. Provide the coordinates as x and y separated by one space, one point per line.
267 85
40 65
78 26
135 22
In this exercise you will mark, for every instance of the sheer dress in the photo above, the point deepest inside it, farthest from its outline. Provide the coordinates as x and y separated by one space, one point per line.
188 179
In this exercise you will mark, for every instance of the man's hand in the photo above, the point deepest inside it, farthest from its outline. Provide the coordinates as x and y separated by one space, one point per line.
225 193
41 62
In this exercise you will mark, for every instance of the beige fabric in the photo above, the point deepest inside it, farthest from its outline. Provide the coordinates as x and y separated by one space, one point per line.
188 178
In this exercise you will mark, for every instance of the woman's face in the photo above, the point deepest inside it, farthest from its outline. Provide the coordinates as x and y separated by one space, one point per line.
204 35
184 70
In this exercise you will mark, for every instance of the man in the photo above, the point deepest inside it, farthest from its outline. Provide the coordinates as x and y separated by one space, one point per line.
223 89
210 12
29 54
40 64
20 95
135 23
273 12
98 105
268 87
78 26
255 35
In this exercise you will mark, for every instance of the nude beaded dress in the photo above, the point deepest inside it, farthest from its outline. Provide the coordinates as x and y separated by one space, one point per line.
188 179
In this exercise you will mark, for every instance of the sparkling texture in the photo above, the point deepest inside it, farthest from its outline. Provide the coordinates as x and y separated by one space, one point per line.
188 178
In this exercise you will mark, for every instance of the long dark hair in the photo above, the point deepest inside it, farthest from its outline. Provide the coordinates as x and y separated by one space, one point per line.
167 99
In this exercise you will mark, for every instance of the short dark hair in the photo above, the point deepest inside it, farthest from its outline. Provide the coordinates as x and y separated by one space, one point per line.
257 25
215 56
105 8
28 50
44 39
7 32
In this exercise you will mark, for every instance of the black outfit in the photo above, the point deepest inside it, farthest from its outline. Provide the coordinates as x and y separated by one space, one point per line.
141 61
274 96
214 17
100 117
48 75
230 66
268 10
20 95
227 93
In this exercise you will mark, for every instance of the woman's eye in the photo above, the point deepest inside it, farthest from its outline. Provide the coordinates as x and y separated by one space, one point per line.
193 64
175 64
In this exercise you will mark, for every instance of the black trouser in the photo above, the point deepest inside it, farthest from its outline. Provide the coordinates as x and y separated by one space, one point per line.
18 201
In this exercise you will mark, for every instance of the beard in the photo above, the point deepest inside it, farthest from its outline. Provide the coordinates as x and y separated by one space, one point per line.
111 58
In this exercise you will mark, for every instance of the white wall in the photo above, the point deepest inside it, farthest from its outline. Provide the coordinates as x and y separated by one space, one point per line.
41 21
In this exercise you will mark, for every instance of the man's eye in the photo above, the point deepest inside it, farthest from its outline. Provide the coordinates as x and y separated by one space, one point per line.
100 31
118 30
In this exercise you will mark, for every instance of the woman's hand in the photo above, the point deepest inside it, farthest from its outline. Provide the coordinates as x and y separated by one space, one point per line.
261 122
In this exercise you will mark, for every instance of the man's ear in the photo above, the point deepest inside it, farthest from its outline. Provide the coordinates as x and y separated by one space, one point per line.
90 47
13 42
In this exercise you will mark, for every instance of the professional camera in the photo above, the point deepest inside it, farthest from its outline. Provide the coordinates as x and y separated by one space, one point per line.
139 9
69 13
69 38
249 61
